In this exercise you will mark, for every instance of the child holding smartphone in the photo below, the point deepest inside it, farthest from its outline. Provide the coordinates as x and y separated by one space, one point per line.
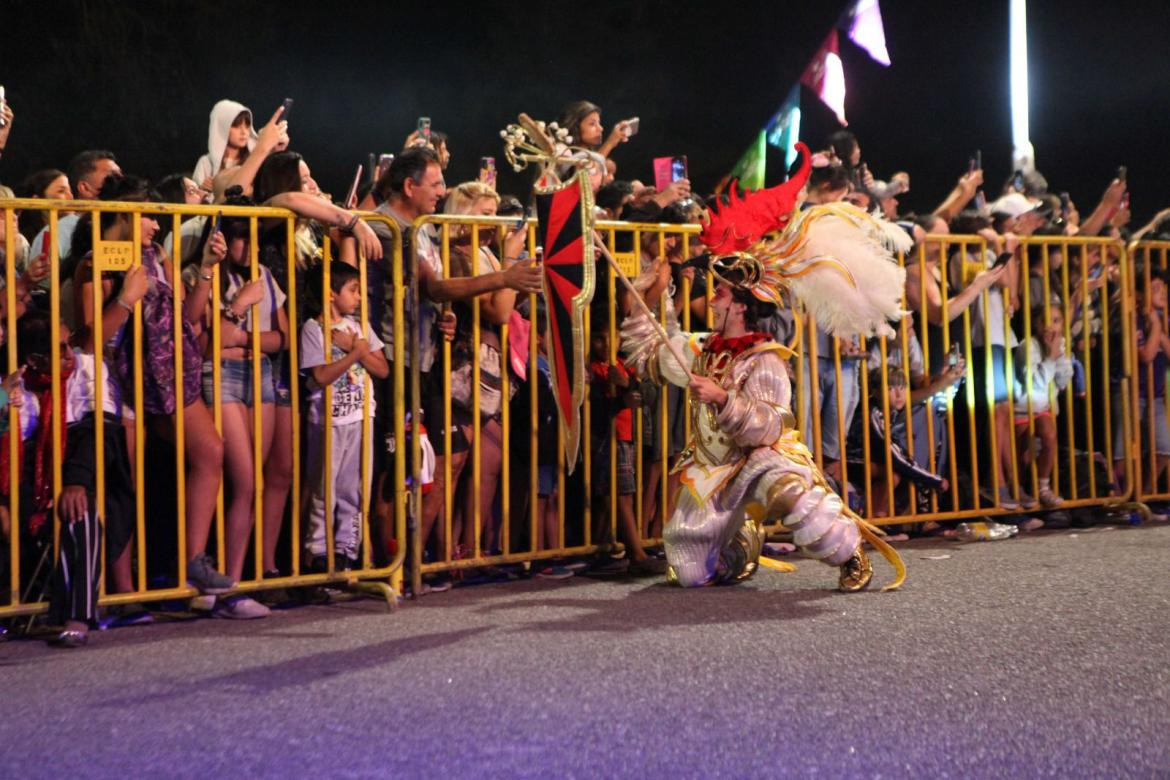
354 356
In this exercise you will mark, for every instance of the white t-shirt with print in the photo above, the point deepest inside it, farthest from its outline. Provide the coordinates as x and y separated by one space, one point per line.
351 388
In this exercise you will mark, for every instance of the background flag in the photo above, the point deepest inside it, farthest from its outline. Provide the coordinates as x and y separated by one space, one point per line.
784 128
826 76
750 168
864 26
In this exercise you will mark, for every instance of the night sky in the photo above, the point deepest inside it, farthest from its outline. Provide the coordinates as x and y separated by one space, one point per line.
139 78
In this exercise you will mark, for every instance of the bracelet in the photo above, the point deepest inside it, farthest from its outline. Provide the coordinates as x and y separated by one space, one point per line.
351 224
206 276
128 307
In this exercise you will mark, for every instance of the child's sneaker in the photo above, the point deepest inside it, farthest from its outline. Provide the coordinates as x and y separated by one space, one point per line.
239 607
1049 499
1006 500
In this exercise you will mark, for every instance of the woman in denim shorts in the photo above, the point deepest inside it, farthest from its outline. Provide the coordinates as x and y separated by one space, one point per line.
245 304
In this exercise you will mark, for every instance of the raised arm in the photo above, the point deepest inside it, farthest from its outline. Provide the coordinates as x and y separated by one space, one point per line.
960 196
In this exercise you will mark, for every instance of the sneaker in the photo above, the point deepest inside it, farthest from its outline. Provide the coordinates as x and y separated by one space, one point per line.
1006 500
70 639
1030 524
274 597
202 575
126 615
341 562
438 585
1026 500
606 566
554 573
239 607
1048 499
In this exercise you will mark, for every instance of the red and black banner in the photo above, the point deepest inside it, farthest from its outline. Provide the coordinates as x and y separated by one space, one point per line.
565 230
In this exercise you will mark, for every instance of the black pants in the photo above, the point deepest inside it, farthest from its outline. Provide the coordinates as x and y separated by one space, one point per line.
79 567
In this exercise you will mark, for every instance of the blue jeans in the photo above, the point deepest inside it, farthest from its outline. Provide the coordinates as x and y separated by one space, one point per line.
827 404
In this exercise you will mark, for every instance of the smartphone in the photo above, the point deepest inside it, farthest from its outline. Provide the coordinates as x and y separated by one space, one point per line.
3 121
632 126
424 128
953 356
1122 172
1065 207
487 171
978 159
384 161
972 165
980 201
678 168
351 198
1018 181
1003 258
287 106
216 222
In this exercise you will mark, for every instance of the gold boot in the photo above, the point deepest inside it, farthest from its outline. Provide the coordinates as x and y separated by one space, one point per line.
855 572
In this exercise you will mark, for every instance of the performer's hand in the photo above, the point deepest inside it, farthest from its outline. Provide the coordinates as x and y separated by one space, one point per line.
708 391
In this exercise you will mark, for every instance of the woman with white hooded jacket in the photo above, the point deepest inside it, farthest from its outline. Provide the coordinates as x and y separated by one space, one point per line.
230 138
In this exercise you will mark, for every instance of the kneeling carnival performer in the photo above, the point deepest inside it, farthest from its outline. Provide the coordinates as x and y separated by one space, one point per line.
746 466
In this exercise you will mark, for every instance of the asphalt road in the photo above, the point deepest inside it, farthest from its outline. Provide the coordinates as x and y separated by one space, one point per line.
1039 656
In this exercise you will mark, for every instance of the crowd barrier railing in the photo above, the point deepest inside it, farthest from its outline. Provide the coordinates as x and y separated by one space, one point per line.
1150 445
991 431
987 438
1075 431
153 566
582 525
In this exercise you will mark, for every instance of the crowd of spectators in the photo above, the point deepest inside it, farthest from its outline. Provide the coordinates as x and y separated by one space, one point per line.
1045 331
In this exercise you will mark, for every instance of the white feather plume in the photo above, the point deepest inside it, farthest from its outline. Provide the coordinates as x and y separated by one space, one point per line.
839 266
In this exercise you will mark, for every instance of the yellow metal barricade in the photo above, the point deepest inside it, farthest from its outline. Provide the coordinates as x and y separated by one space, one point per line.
115 233
578 529
1149 435
995 336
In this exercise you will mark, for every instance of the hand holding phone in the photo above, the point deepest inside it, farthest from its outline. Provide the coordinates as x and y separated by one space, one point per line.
287 106
1002 259
424 128
487 171
1122 172
630 126
351 196
215 223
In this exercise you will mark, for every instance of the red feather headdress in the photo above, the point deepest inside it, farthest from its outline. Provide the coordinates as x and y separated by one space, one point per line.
744 221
